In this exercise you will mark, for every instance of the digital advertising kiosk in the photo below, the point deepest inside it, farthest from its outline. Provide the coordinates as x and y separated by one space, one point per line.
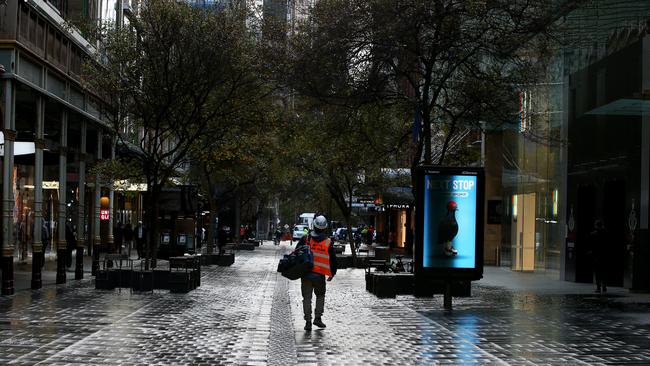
449 226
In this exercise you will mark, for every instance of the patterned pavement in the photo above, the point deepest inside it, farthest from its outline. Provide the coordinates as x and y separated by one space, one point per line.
248 314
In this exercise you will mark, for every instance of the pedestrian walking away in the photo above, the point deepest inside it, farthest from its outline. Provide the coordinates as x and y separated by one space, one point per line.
324 266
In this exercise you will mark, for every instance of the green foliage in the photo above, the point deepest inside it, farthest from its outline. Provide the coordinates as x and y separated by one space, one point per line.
174 72
458 62
112 170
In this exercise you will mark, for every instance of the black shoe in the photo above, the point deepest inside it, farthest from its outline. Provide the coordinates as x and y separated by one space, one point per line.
319 323
308 325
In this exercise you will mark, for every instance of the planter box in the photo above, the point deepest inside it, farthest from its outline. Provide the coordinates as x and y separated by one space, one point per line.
179 282
369 283
211 258
384 285
206 259
343 261
106 279
226 260
161 279
142 280
195 279
124 277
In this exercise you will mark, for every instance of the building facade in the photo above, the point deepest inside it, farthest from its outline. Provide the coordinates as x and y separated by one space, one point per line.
581 152
53 130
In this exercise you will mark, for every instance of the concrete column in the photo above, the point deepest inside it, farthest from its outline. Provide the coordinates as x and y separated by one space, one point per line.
61 243
38 255
81 230
97 240
7 263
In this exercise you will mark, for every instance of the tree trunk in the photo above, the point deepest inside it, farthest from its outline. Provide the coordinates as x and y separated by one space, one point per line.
212 227
237 217
155 232
153 194
426 135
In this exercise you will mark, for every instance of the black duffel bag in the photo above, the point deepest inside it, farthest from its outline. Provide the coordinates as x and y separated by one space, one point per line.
297 264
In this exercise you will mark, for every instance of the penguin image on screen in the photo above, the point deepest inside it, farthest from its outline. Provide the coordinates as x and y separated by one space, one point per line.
448 229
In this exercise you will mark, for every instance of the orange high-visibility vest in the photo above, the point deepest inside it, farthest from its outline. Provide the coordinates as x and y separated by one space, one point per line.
320 250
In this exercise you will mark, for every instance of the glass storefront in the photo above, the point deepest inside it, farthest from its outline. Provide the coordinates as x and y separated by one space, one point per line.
575 155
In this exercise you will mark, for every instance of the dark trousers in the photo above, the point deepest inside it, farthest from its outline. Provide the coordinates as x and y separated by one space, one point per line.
316 286
139 245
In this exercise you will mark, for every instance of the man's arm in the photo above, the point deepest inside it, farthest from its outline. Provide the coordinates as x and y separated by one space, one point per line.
333 262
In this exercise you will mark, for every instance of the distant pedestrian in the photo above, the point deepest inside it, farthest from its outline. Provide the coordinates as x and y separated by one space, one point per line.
71 242
277 236
369 235
140 239
128 238
598 246
324 266
242 233
45 238
222 238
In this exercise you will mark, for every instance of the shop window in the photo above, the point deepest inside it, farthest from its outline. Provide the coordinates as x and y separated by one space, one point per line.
55 85
77 97
30 70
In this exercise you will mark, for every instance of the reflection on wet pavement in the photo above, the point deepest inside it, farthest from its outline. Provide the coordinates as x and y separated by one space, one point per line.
248 314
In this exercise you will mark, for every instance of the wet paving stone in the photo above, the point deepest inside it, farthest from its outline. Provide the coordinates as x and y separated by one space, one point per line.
248 314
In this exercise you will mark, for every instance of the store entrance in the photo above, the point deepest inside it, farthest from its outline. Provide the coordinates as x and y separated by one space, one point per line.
523 234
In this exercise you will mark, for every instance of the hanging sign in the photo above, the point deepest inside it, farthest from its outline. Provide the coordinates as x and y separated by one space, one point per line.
104 214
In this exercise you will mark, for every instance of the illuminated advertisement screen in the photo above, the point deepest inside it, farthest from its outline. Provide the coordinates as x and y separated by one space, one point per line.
450 220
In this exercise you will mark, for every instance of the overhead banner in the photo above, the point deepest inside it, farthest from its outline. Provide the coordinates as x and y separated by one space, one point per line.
450 222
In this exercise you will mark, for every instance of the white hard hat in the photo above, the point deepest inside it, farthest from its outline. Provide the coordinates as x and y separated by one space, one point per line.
320 222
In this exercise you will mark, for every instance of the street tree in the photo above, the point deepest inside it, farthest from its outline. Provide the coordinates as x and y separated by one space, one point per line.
453 62
343 132
344 149
170 73
245 164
